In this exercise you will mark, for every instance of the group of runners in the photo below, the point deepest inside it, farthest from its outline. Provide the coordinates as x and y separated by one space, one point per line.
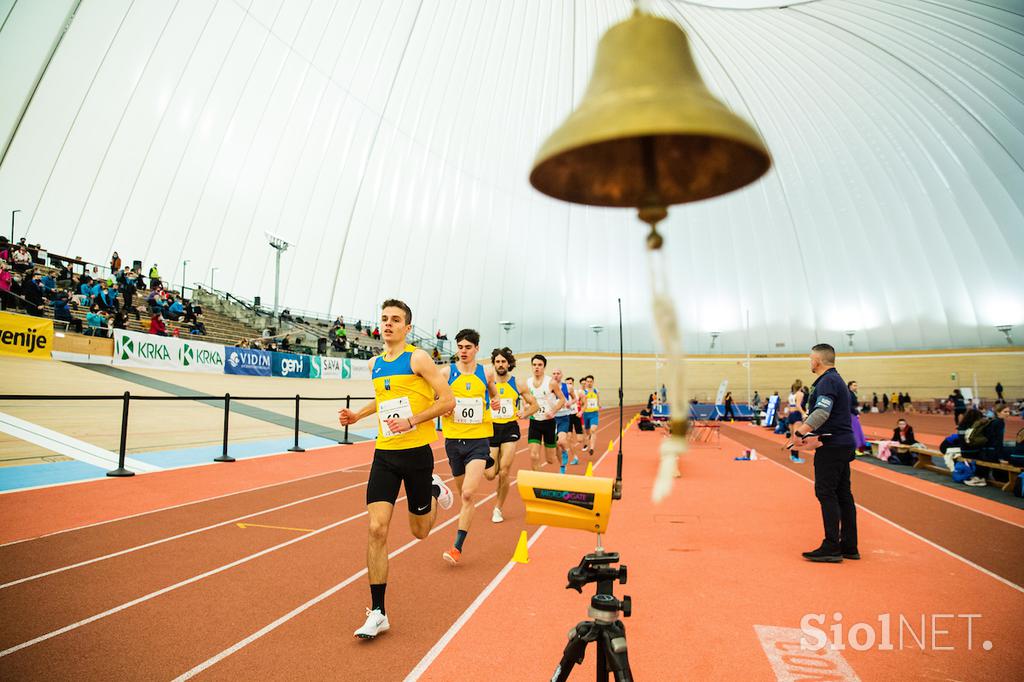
480 408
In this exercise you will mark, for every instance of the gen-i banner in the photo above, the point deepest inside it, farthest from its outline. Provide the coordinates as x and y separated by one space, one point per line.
290 365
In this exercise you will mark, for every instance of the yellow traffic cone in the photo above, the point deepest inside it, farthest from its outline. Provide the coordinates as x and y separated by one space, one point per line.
521 556
590 469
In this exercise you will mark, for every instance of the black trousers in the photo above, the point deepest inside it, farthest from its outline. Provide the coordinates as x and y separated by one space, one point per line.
832 488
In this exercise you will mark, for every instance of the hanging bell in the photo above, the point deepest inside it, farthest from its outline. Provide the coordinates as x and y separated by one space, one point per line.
648 133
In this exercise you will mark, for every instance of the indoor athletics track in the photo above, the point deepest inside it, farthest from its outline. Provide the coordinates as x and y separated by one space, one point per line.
153 577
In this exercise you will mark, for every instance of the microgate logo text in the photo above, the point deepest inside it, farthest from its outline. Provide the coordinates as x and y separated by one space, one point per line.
576 499
893 632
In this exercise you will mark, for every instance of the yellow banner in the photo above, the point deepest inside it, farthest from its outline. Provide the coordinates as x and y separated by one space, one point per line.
25 336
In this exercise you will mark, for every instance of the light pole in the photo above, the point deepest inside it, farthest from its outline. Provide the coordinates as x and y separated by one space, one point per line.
17 210
213 270
714 337
597 329
184 266
280 245
850 334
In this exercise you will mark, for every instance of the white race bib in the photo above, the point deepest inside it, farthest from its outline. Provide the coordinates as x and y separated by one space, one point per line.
591 403
542 408
468 411
397 408
506 409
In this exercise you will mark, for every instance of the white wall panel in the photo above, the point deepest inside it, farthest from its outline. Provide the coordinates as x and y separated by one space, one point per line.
391 141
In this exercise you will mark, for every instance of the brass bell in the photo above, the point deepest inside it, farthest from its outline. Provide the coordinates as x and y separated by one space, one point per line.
648 133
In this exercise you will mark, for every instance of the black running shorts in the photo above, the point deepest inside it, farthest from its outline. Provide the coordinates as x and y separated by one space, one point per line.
505 433
391 468
575 423
542 431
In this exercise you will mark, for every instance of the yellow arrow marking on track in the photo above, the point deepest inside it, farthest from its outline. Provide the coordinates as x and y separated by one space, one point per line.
257 525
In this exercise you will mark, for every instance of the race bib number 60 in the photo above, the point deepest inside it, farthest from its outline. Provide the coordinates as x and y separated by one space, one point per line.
468 411
397 408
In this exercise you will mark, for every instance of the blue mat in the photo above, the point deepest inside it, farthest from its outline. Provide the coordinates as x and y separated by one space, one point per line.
49 473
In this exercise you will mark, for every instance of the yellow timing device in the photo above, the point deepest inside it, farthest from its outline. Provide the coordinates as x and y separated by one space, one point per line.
567 501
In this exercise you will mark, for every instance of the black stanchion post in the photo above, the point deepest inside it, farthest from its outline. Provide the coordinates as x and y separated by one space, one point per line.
348 405
296 448
120 471
227 411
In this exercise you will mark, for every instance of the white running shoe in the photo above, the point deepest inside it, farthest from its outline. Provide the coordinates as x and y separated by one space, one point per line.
496 516
376 623
445 499
976 482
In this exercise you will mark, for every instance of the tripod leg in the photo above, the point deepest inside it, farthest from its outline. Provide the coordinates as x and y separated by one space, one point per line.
574 651
613 642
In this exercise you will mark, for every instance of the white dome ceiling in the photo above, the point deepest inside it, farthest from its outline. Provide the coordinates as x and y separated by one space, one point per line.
391 142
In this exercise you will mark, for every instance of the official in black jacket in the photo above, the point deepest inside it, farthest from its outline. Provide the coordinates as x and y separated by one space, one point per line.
829 420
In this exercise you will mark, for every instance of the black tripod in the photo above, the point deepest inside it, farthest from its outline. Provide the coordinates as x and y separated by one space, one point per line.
605 628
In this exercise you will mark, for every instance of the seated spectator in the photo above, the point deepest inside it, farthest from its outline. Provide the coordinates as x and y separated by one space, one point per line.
441 336
286 315
376 333
6 283
359 325
285 345
175 310
197 327
21 259
49 283
120 320
891 450
437 357
156 325
990 442
96 322
32 292
62 311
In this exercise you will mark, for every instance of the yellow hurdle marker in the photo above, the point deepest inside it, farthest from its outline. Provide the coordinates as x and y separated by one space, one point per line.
521 555
590 469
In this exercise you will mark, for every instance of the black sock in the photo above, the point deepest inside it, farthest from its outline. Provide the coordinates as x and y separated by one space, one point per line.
377 597
460 537
435 490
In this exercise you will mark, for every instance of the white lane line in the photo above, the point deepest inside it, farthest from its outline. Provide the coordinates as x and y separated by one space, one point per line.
185 534
63 444
270 627
176 506
448 636
915 535
868 469
791 663
188 581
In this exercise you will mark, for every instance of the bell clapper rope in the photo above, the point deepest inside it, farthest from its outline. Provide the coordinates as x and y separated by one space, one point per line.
671 340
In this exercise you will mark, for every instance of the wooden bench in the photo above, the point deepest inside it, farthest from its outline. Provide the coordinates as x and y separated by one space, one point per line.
924 461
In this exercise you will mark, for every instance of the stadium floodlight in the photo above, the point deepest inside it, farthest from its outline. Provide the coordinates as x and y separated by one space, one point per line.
507 325
850 334
1005 329
280 245
597 329
714 337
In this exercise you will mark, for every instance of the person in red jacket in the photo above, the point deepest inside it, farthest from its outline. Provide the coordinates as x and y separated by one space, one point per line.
157 326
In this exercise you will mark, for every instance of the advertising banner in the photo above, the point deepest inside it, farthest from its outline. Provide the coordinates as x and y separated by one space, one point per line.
247 361
356 369
314 366
199 356
132 349
331 368
290 365
25 336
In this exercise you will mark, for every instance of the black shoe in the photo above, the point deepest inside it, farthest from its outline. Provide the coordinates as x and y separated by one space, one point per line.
824 556
854 555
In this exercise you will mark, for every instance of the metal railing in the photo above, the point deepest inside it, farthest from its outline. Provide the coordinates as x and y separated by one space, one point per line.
127 397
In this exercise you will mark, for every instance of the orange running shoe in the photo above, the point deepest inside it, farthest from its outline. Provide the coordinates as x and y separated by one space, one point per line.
452 556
